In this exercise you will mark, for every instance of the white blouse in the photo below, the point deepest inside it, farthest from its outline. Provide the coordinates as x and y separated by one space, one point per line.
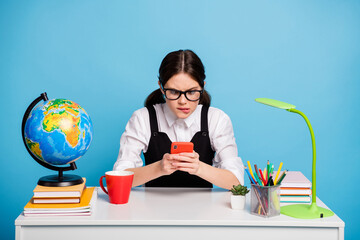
137 135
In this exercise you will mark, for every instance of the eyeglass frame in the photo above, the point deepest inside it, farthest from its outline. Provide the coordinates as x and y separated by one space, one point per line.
181 93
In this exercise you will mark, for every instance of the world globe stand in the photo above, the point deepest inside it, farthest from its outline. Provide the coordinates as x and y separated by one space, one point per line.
60 180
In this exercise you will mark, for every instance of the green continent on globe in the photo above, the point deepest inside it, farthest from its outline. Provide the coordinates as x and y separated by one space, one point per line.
67 105
34 148
67 120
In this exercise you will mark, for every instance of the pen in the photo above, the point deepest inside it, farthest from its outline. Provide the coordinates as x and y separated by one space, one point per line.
282 177
277 173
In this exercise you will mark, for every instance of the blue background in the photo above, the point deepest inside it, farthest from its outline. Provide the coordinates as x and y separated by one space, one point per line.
104 55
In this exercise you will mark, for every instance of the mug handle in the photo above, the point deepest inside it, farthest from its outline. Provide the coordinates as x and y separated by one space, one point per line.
102 186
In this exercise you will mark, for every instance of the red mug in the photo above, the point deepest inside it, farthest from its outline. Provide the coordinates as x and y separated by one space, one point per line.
119 185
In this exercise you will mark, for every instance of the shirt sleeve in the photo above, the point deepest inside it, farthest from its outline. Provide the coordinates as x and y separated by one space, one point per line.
133 141
223 142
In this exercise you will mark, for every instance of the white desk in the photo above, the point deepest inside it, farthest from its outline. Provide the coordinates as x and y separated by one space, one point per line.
165 213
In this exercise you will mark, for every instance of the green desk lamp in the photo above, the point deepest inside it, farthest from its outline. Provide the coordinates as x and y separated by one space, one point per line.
303 211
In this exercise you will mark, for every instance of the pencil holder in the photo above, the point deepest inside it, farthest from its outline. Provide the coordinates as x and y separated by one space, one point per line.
265 200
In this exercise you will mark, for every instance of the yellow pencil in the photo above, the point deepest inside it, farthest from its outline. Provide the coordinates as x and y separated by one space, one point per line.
251 172
277 173
265 174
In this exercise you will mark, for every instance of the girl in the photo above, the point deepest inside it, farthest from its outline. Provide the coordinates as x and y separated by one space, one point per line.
179 111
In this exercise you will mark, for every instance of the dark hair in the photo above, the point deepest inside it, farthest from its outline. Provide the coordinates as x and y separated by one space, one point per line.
181 61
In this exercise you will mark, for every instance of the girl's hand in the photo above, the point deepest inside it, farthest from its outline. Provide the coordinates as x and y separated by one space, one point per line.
166 164
187 162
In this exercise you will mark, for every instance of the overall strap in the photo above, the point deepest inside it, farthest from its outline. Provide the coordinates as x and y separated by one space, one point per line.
153 120
204 118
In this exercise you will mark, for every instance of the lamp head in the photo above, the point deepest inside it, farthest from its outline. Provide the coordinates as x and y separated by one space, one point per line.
275 103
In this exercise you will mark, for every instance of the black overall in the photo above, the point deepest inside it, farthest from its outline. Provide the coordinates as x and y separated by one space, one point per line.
160 144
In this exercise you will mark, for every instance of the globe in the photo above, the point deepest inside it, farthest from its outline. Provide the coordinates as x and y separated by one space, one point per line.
57 132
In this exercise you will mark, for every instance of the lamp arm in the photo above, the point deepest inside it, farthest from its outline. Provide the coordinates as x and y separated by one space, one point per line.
313 150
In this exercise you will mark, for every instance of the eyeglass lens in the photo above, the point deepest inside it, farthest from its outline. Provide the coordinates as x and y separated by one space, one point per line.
192 95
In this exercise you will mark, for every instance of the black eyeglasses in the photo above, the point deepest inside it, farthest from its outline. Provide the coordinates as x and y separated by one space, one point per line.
191 95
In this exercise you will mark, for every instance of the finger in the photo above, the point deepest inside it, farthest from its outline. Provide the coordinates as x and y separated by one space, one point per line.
170 163
185 165
189 170
166 156
172 156
186 154
184 159
171 169
170 166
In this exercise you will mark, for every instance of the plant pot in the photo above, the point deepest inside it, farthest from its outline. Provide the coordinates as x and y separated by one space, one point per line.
238 202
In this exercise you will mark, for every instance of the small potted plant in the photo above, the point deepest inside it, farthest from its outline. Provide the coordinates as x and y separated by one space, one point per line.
238 196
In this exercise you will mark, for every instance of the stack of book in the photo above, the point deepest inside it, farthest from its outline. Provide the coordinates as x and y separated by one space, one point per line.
76 200
295 188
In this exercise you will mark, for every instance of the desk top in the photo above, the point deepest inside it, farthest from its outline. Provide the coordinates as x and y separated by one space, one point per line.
180 207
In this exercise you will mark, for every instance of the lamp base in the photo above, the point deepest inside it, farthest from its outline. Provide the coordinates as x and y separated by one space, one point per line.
305 211
60 181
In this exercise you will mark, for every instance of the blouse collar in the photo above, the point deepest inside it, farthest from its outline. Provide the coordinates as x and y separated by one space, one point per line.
171 117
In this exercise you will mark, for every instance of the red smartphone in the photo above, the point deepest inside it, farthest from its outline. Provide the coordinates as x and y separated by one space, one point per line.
180 147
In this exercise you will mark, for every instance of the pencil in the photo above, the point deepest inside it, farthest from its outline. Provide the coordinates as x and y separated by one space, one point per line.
277 173
270 181
272 169
249 175
282 177
257 175
262 177
257 179
258 196
256 169
265 175
251 172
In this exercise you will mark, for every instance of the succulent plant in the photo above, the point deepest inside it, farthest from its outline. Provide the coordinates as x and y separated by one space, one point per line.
239 190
